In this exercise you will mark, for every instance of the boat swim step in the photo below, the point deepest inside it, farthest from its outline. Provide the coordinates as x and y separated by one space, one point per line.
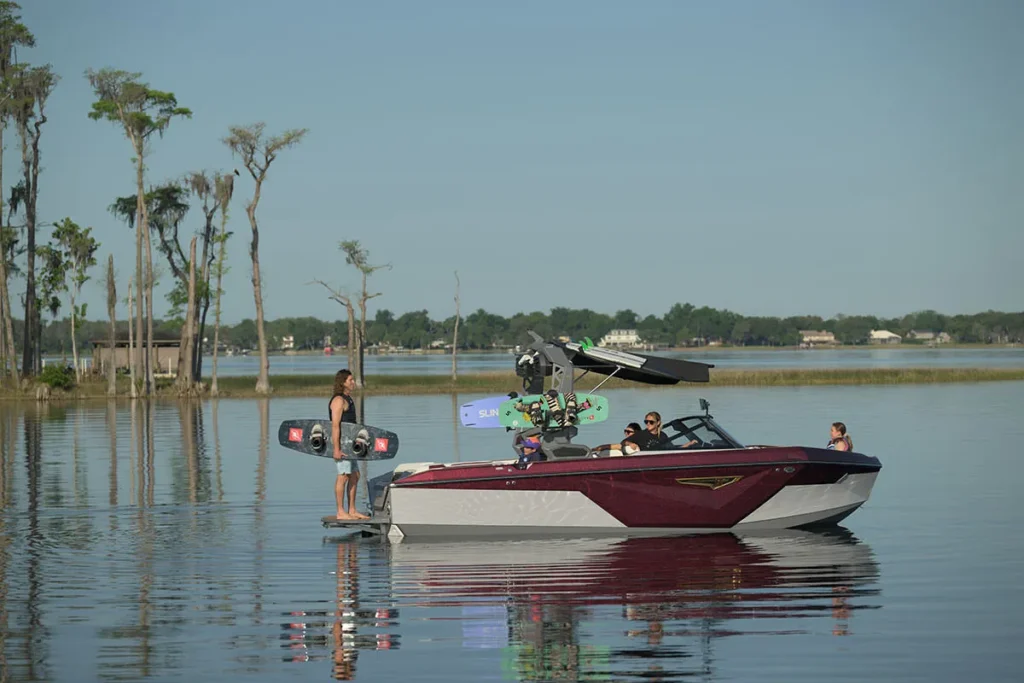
376 522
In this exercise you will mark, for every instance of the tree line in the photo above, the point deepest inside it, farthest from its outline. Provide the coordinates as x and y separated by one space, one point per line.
54 271
683 325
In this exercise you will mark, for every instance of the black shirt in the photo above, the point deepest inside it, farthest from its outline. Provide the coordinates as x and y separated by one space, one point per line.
646 441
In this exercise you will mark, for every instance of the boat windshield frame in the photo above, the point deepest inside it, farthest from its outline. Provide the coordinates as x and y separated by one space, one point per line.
708 433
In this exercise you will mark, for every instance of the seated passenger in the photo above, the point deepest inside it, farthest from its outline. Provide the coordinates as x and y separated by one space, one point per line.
652 438
839 440
530 450
631 429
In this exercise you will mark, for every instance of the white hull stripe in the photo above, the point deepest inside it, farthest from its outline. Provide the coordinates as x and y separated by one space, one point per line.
431 511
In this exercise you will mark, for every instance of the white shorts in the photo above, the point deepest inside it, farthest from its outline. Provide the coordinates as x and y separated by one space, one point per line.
345 465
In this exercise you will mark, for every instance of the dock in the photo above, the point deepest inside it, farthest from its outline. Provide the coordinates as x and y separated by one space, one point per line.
377 524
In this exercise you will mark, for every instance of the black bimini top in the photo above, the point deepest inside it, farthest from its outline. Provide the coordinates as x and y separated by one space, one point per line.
636 367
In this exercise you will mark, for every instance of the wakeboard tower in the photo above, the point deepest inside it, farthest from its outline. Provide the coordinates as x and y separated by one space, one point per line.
555 414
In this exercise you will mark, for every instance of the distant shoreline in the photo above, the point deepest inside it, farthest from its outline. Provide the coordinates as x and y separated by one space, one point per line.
910 346
297 386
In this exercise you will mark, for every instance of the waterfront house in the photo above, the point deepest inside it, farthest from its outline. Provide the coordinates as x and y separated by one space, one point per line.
628 338
809 338
884 337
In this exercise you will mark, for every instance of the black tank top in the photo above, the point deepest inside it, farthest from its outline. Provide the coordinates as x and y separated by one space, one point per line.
350 413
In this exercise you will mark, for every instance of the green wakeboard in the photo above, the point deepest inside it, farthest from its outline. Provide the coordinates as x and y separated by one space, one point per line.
516 413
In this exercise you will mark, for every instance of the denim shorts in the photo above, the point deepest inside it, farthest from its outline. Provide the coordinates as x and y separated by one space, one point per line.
345 465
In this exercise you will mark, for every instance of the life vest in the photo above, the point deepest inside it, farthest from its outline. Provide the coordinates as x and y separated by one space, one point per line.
349 415
832 444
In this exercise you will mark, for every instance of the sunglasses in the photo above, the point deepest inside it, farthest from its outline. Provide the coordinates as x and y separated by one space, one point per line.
628 431
650 422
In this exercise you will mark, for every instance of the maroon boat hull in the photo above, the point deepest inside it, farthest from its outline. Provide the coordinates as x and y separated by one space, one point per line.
699 490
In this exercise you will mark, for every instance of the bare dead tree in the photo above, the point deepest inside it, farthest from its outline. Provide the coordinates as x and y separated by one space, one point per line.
3 340
225 189
257 153
186 381
112 342
455 336
357 256
132 364
6 319
112 337
345 301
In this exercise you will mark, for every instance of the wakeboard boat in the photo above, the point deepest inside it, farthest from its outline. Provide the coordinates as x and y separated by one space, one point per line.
702 481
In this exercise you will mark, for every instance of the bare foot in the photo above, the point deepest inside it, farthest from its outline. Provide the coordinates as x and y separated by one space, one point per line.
350 515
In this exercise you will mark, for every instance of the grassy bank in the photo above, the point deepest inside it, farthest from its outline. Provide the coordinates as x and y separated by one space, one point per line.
501 382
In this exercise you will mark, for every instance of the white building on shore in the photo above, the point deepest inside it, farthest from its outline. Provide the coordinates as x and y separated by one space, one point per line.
621 338
884 337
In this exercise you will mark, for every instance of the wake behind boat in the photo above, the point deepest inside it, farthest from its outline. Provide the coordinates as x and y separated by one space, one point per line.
702 481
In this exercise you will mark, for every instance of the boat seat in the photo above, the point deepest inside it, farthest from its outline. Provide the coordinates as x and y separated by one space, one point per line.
565 450
408 468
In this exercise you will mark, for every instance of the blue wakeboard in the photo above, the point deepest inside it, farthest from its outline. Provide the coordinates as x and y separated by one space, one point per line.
482 413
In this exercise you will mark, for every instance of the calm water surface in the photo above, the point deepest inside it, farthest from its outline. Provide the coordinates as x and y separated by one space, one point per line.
746 359
179 543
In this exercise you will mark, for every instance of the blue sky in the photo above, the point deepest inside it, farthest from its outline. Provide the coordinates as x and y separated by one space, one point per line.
773 158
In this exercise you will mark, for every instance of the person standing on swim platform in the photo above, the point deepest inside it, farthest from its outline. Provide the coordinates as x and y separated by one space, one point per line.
342 409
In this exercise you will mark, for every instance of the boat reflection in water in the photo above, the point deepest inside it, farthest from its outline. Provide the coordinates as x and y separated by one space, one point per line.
576 609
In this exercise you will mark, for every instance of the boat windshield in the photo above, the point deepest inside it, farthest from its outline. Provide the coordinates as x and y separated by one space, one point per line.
701 429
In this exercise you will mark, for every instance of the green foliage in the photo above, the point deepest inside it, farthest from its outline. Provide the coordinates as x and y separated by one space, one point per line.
52 281
27 88
355 255
178 299
256 150
166 207
13 33
78 248
242 335
140 110
10 249
483 331
70 255
58 376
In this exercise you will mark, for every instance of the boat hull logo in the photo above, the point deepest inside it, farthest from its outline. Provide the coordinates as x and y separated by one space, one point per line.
713 483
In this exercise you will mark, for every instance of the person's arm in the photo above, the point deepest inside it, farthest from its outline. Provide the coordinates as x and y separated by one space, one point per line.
606 447
841 445
336 427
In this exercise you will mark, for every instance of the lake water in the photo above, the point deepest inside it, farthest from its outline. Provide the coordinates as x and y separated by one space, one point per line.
179 543
745 359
